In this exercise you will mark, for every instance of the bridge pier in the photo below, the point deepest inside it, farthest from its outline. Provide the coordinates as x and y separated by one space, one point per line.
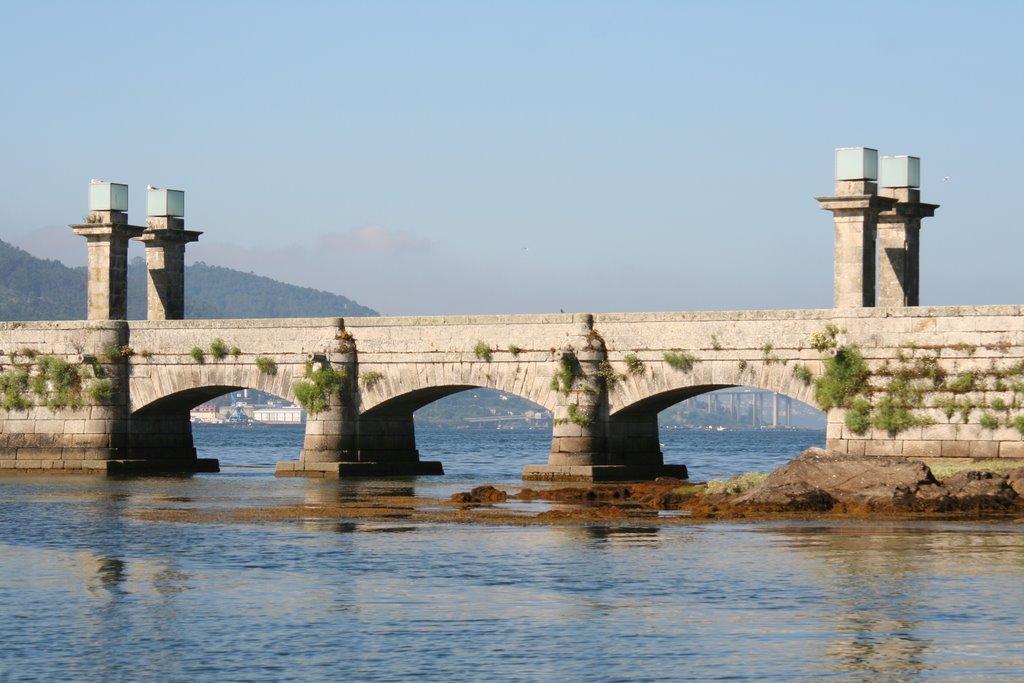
163 443
585 444
341 443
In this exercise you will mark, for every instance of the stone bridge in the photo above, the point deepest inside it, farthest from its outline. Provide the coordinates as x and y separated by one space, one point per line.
939 382
896 378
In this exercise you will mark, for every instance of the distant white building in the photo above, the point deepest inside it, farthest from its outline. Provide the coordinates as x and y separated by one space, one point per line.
279 415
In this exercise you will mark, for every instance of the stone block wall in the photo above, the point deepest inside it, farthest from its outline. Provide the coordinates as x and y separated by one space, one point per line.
974 410
60 421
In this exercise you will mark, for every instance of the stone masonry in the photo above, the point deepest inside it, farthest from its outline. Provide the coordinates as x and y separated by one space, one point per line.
606 429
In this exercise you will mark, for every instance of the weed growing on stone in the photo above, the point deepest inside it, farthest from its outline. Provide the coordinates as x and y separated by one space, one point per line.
608 374
112 354
858 416
101 390
825 339
680 360
268 366
989 421
514 350
13 387
568 371
803 374
314 392
577 417
59 382
892 415
482 350
370 378
844 377
963 383
218 349
969 349
634 365
198 355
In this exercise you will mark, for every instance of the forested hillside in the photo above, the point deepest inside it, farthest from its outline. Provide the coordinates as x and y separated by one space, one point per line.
37 289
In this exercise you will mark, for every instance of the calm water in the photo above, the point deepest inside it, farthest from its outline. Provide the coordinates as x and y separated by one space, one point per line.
89 593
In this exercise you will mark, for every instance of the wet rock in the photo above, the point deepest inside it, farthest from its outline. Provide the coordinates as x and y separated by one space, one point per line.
818 479
792 496
481 494
978 490
1015 478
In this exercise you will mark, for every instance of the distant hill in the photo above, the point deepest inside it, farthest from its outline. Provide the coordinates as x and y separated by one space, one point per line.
39 289
32 288
216 292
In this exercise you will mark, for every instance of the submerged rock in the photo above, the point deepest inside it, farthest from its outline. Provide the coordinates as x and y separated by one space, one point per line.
481 494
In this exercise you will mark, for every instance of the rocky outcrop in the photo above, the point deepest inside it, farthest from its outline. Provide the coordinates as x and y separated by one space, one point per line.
818 479
821 480
973 490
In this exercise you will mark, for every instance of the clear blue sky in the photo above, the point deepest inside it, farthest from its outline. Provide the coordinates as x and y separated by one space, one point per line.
483 157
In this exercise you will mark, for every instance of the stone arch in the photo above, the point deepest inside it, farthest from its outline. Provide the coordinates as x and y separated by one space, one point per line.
635 402
169 388
662 386
403 389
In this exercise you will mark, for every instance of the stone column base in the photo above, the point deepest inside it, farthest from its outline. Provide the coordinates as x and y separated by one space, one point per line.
398 468
598 473
105 467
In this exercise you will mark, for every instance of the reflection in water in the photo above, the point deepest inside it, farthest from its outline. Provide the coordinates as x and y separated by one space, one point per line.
93 591
879 585
111 573
625 535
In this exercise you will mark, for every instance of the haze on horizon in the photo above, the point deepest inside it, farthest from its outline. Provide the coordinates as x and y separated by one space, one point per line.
456 157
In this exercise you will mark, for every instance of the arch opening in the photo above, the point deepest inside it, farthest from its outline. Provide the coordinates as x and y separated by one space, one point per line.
479 432
721 430
236 425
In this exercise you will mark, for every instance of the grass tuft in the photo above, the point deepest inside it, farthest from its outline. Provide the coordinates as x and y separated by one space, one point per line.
737 485
680 360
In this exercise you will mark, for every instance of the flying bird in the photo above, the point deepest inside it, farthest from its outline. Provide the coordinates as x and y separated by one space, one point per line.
946 178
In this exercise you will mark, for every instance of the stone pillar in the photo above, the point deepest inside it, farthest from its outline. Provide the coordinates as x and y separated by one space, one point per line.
339 442
899 240
108 234
579 434
855 209
634 440
331 434
775 409
586 445
165 239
